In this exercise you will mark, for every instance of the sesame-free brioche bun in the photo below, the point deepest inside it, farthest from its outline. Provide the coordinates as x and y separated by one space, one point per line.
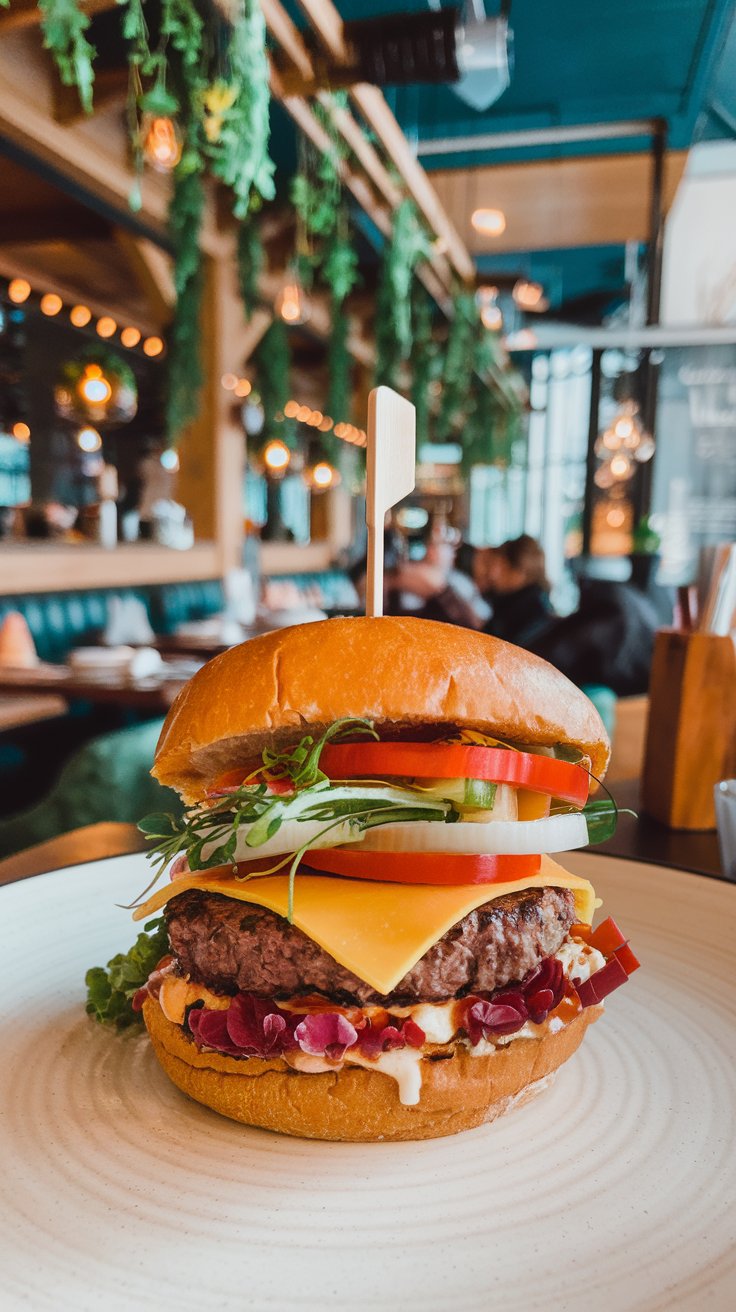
398 672
459 1089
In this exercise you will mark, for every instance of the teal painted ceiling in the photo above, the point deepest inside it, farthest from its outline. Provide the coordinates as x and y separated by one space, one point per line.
581 62
577 62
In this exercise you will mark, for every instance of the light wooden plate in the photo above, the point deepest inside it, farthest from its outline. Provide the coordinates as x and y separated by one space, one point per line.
614 1189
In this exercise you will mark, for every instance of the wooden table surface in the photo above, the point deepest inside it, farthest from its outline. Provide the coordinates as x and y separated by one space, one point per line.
17 709
639 838
90 843
155 693
206 643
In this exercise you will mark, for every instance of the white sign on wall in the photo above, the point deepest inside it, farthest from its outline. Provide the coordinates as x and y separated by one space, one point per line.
699 265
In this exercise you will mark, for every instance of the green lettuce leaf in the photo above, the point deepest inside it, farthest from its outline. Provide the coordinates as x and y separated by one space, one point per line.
110 990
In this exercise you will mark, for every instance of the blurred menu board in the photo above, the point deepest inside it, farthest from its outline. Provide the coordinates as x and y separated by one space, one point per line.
695 465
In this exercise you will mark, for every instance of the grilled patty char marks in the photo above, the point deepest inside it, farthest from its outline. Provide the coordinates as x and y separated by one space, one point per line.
231 946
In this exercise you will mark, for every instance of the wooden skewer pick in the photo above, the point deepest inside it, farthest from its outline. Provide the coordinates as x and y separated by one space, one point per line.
390 476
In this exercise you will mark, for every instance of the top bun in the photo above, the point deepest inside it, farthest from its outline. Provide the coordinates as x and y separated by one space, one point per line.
398 673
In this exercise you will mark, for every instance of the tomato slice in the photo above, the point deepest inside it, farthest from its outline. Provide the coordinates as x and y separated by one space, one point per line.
420 867
540 774
234 778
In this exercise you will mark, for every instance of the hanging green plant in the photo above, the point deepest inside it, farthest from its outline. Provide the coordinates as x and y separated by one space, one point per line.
250 263
340 274
492 422
424 361
64 24
458 365
218 105
273 366
339 363
239 149
185 364
326 255
407 245
183 26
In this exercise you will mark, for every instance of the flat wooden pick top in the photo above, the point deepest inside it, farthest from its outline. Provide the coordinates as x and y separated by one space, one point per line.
390 476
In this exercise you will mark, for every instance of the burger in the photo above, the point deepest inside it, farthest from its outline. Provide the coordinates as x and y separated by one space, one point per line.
367 934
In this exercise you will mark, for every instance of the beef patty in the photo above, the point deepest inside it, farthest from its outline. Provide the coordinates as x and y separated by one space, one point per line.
231 946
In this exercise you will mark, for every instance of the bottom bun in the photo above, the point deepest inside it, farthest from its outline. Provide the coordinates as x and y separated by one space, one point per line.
459 1091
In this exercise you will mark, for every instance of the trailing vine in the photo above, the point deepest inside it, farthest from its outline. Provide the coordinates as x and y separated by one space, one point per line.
185 360
407 245
238 140
64 24
218 91
482 398
250 264
272 360
424 361
458 364
326 254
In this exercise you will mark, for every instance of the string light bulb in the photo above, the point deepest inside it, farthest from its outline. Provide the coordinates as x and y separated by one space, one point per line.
491 315
324 476
276 456
21 432
489 222
80 315
153 346
291 302
88 439
51 304
528 295
93 386
162 142
130 337
106 326
19 290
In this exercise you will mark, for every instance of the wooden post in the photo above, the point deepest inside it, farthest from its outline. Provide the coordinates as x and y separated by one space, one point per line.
212 451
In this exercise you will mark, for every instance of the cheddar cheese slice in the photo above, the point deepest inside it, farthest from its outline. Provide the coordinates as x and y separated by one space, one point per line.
376 930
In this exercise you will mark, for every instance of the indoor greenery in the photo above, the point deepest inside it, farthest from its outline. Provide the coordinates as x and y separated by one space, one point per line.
407 245
325 252
213 79
482 397
272 361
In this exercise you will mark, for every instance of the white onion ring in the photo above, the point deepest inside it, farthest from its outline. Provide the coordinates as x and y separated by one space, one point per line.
556 833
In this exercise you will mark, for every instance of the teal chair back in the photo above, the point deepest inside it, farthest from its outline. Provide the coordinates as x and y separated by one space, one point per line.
107 779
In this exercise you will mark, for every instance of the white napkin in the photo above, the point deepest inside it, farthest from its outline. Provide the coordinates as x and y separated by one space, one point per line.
240 597
145 662
127 623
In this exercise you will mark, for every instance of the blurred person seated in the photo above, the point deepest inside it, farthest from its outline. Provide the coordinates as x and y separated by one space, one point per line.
608 640
445 593
513 580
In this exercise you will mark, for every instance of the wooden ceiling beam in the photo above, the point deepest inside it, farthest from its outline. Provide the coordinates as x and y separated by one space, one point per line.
370 102
110 92
436 277
26 13
378 213
152 269
17 265
29 227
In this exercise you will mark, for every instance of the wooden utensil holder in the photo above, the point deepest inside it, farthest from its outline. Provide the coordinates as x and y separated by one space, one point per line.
691 734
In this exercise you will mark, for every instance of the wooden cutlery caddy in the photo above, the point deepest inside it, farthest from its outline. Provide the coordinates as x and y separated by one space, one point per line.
691 733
